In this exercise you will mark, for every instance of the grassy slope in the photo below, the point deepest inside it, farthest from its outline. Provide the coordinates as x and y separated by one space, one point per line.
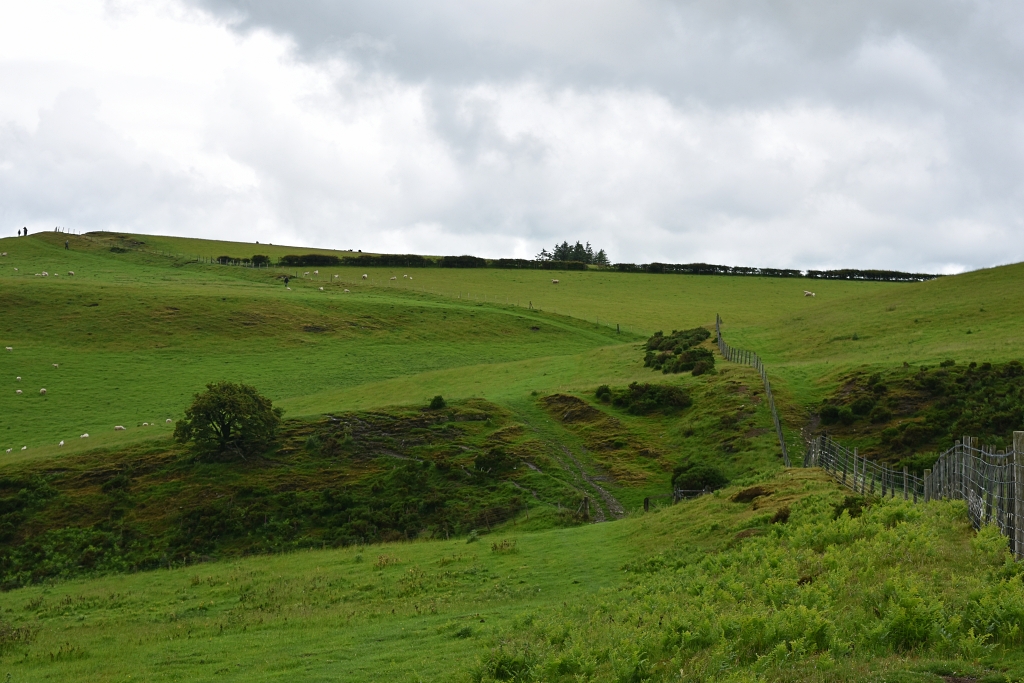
266 606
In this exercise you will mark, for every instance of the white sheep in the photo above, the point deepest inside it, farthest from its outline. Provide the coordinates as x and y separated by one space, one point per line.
119 428
346 291
405 276
168 420
4 254
15 268
10 348
24 448
18 378
9 450
410 277
18 391
394 278
145 424
336 277
45 274
61 443
42 392
71 272
364 275
554 282
55 365
316 272
288 288
806 293
305 274
84 436
321 289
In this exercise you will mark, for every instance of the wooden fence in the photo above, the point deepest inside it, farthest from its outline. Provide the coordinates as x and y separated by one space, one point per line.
982 476
750 358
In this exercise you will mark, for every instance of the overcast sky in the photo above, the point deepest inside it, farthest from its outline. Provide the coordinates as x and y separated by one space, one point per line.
854 133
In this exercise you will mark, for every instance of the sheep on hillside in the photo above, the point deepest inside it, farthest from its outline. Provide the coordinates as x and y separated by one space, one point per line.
346 291
364 275
10 348
71 272
806 293
9 450
554 282
61 442
316 272
84 436
18 378
17 391
42 392
321 289
336 276
55 365
394 278
119 428
24 448
305 274
168 420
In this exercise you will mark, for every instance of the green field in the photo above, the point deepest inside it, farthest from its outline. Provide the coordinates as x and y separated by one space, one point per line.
113 589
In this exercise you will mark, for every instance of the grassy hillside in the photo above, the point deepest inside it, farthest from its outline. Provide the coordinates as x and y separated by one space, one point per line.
134 558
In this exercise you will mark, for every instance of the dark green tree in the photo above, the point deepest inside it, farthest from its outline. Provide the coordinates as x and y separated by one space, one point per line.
229 420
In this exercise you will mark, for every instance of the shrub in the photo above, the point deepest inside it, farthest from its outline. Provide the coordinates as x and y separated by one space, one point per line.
291 260
224 260
229 420
462 262
437 403
495 462
641 399
260 260
880 414
846 415
701 367
829 414
697 476
604 393
863 405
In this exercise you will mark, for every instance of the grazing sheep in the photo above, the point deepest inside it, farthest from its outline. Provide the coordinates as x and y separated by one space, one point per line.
9 450
84 436
119 428
4 254
18 378
806 293
321 289
145 424
15 268
410 277
346 291
337 276
364 275
18 391
61 442
10 348
168 420
45 274
71 272
24 448
305 274
316 272
405 276
394 278
42 392
554 282
288 288
55 365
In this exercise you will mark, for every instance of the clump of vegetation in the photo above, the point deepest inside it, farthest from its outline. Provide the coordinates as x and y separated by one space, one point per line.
495 462
506 546
229 420
643 399
260 260
697 476
805 613
438 403
908 411
679 352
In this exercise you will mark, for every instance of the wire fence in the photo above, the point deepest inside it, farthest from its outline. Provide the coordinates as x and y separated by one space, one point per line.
985 478
750 358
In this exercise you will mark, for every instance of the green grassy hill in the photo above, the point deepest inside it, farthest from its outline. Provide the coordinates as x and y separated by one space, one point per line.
134 559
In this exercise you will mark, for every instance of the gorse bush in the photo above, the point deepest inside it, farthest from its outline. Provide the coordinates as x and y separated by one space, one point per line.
812 599
697 476
229 420
642 399
678 352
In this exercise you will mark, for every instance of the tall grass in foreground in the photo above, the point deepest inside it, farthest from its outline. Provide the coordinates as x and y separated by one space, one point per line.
825 596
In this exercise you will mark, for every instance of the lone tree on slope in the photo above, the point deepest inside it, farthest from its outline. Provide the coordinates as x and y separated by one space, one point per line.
229 420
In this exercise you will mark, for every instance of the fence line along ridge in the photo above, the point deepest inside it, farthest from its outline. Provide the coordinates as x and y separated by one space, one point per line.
750 358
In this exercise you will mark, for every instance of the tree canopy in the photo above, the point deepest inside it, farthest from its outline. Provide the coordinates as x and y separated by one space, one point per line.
229 420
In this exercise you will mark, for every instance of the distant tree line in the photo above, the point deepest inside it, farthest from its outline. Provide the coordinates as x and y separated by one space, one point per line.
711 269
577 257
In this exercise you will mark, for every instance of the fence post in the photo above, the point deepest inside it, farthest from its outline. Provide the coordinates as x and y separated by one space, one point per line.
1018 494
905 470
927 485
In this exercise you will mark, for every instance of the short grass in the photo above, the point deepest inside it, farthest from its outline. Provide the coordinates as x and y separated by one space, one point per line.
800 597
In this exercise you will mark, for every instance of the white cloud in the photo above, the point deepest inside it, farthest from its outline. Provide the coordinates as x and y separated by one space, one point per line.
862 135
